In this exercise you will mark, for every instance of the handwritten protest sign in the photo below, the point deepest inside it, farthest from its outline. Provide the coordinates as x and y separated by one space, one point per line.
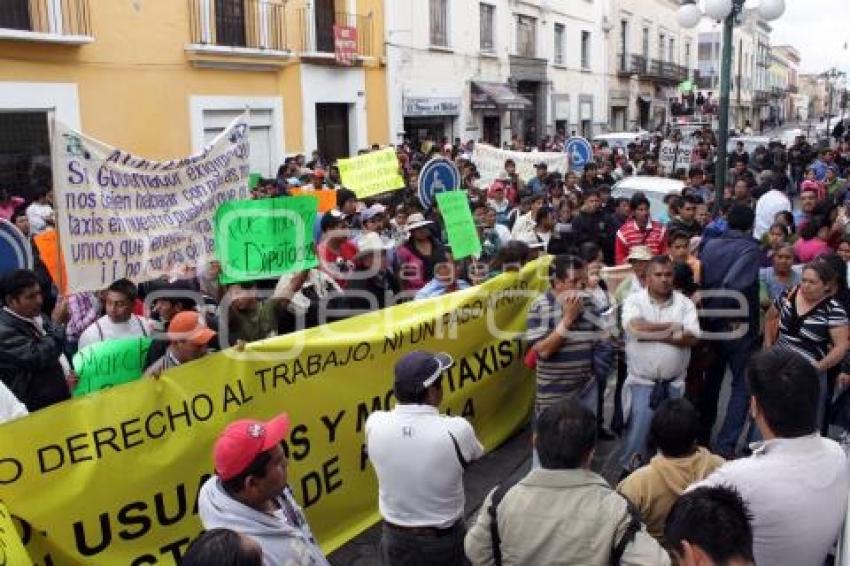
490 162
47 244
120 215
463 237
261 239
327 197
109 363
372 173
675 155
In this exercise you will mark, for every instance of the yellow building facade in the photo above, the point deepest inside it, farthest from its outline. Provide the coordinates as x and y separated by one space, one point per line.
162 77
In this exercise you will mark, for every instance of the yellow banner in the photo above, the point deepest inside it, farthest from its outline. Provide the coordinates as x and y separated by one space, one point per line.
371 173
12 552
113 477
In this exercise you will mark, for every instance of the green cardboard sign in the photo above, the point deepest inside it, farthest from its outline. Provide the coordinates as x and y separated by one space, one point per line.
254 180
263 239
110 363
460 227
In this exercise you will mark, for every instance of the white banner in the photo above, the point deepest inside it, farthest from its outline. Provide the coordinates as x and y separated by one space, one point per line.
120 215
490 161
678 153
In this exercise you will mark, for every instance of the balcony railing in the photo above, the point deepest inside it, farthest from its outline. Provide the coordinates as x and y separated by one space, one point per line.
62 18
653 69
316 31
251 24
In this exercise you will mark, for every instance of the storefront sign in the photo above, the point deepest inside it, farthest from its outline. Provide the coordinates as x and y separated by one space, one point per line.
345 44
431 106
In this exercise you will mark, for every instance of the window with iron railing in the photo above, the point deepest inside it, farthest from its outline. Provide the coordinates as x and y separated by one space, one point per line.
526 36
439 21
487 15
54 17
230 23
560 31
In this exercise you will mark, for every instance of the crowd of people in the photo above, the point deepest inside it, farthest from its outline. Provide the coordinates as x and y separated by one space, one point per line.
659 304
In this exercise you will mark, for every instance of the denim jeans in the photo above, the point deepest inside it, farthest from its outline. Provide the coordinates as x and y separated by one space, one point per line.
587 399
735 353
635 450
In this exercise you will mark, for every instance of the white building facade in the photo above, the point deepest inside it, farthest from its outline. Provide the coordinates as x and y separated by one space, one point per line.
649 55
500 71
749 97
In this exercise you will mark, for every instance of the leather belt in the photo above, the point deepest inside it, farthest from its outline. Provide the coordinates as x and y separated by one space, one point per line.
423 531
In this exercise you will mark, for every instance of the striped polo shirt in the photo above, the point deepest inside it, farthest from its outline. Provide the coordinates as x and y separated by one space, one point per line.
568 372
654 236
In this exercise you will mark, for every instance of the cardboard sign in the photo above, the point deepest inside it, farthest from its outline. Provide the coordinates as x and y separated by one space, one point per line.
50 254
371 173
327 197
460 227
109 363
491 162
263 239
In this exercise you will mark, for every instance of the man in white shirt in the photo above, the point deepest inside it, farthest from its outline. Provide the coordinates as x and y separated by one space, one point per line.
661 326
119 320
767 207
419 457
796 482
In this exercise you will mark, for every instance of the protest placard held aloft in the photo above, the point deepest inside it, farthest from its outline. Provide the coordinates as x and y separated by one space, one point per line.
460 226
371 173
262 239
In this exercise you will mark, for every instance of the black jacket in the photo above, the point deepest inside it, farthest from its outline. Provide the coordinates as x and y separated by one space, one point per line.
598 228
29 362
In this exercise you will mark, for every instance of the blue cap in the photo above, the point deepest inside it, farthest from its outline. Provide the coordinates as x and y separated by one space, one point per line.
420 369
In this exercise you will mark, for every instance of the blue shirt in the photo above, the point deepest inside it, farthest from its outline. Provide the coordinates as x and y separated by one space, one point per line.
436 288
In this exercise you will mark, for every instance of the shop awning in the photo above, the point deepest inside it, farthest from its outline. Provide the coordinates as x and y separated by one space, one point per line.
497 96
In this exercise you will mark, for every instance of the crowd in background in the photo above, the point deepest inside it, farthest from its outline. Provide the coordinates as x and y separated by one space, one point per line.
774 250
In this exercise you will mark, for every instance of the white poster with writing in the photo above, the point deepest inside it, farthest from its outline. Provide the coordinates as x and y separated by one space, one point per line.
672 154
490 162
124 216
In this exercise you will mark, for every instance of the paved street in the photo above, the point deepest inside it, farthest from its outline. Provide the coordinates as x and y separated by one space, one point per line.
511 459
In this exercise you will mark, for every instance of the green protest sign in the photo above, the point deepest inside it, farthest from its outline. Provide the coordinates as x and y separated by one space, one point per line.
254 180
371 173
460 227
263 239
110 363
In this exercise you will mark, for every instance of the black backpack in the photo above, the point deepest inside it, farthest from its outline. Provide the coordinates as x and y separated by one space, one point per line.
496 541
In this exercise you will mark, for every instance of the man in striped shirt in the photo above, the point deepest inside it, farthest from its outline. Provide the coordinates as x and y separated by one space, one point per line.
562 334
641 230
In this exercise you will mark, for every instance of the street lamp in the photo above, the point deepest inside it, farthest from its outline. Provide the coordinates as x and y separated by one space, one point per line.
831 76
726 11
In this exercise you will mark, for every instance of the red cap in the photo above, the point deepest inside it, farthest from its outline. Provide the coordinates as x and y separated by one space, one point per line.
244 440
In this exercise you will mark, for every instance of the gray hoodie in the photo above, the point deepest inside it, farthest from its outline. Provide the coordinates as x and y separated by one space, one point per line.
283 544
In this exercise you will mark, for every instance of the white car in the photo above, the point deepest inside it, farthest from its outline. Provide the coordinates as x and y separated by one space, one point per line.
654 188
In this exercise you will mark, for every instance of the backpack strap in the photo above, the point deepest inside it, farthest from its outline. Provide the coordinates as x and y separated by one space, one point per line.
632 529
460 458
495 539
99 329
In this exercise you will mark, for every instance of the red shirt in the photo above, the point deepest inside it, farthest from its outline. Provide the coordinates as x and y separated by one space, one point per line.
328 260
654 236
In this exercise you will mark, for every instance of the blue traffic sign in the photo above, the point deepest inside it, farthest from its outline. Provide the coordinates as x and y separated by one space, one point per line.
580 153
15 249
437 176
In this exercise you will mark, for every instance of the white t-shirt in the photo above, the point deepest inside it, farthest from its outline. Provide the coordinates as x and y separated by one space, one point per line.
420 477
104 329
796 489
10 407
